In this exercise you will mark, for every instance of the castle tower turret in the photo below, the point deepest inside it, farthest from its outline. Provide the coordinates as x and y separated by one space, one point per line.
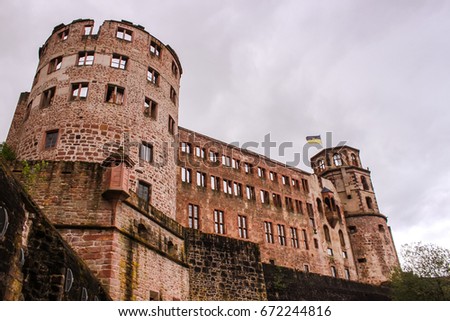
371 239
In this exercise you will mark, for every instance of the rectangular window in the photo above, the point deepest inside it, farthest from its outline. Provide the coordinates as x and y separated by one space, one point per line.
119 61
261 172
273 176
173 95
124 34
295 184
79 91
150 108
316 243
248 168
171 126
174 69
85 58
285 180
155 49
235 163
55 64
186 175
306 268
344 255
185 147
201 179
193 216
215 183
298 207
146 152
88 30
47 97
143 193
294 237
276 198
264 197
268 230
330 251
227 187
226 161
237 189
242 226
281 235
333 272
51 138
213 157
63 35
250 191
219 225
115 95
153 76
199 152
305 185
347 274
289 204
310 209
305 239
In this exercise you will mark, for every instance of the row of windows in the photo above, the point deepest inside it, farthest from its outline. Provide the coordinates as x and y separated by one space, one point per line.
227 161
118 61
123 34
235 188
337 160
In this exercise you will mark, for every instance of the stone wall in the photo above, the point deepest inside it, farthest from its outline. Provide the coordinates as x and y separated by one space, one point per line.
285 284
35 260
222 268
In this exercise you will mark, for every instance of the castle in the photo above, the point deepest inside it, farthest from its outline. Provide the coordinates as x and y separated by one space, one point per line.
157 211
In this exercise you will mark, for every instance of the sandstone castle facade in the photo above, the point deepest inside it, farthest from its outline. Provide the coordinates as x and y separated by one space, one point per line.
157 211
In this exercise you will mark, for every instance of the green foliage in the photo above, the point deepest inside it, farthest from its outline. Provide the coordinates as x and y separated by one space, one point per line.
425 275
31 172
6 152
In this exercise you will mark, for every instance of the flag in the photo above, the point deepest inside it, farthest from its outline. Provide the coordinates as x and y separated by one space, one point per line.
314 140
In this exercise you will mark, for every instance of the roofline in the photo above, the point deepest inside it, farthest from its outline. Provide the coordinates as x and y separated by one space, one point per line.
246 151
333 149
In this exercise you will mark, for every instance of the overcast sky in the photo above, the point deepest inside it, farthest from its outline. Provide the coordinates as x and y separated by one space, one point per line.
374 73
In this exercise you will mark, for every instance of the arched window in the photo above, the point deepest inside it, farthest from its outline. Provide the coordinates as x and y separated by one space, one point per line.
321 164
364 183
333 204
341 239
319 206
337 159
369 203
327 203
354 160
326 231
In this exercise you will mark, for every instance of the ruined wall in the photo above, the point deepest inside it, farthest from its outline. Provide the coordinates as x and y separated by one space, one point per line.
222 268
285 284
311 252
34 258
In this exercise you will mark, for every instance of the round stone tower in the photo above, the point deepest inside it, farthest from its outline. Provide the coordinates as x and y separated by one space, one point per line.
370 236
114 91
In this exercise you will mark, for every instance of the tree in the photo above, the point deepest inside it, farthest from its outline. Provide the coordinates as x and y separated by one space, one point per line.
425 275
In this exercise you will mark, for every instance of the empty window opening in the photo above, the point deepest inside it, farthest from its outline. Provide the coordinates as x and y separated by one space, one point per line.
85 58
321 165
352 229
237 187
364 183
79 91
268 230
362 260
316 243
369 203
333 272
47 97
55 64
264 197
118 61
281 234
298 207
306 268
146 152
276 198
227 187
51 138
185 147
347 274
248 168
289 204
143 193
235 163
171 126
337 159
213 157
124 34
200 152
63 35
193 216
153 76
150 108
88 30
250 191
242 226
261 172
305 185
226 161
173 95
215 183
326 232
201 179
305 239
186 175
174 69
380 228
219 225
354 160
341 238
319 205
330 251
155 49
294 238
115 95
